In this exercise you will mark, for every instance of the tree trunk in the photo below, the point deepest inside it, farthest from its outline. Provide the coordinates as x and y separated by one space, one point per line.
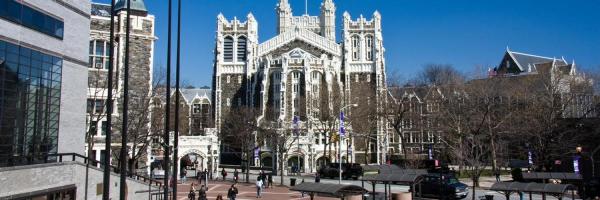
492 145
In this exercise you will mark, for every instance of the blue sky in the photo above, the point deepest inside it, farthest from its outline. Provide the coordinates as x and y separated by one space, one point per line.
464 33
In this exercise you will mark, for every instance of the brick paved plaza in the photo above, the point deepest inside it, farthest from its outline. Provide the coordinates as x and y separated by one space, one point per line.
246 191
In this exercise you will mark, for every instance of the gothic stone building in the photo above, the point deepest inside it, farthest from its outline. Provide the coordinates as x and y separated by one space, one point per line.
141 55
284 76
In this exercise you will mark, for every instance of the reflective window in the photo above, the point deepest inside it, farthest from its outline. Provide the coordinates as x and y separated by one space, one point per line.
29 103
24 15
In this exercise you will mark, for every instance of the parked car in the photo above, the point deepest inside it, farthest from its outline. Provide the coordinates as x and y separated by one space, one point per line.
441 186
349 170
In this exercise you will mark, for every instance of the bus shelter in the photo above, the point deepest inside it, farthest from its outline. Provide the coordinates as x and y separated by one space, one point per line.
555 190
329 190
411 179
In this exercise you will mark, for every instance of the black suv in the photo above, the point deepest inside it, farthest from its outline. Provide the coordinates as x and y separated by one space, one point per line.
447 188
349 170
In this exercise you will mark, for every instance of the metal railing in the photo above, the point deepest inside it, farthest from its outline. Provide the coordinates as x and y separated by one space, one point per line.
11 161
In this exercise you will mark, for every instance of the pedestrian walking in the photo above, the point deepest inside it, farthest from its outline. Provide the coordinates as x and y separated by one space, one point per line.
183 175
202 193
259 185
263 178
497 174
317 177
192 195
201 178
224 174
270 180
235 176
232 192
206 174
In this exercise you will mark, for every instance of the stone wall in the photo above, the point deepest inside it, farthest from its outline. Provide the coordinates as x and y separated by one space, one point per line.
25 179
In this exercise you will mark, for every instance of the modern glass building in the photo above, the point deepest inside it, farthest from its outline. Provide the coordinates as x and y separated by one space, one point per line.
30 85
41 43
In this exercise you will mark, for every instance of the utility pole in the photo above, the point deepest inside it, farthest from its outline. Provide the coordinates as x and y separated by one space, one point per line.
167 108
109 106
176 135
124 158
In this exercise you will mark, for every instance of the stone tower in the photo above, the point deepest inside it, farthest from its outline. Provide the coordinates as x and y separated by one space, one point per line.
141 56
328 19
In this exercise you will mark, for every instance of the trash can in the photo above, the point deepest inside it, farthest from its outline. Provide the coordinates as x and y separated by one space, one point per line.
292 181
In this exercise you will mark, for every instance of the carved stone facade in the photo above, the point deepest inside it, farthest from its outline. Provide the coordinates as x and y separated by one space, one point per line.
282 77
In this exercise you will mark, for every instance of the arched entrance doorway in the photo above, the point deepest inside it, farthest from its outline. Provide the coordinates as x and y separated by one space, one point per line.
191 162
266 159
293 165
322 162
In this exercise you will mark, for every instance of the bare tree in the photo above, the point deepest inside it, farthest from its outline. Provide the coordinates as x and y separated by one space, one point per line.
279 136
140 121
326 118
465 135
552 95
439 74
239 129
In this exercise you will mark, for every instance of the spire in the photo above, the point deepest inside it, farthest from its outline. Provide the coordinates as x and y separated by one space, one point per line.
328 5
284 5
328 19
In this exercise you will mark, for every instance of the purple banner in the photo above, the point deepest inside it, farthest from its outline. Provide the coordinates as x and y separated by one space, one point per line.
342 129
576 164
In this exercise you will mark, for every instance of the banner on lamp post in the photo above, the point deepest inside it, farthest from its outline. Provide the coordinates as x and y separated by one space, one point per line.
296 126
342 129
529 157
430 152
576 164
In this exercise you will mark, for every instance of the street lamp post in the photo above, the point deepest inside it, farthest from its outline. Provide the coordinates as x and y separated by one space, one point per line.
342 133
298 140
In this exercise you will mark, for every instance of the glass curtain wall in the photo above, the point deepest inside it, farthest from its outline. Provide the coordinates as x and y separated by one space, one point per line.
30 86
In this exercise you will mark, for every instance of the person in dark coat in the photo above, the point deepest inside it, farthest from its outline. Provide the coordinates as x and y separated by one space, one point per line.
232 192
317 178
235 175
192 195
270 183
224 174
202 176
202 193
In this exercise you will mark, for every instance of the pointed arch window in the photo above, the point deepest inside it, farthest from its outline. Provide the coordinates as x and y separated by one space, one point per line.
355 47
228 49
241 49
369 40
